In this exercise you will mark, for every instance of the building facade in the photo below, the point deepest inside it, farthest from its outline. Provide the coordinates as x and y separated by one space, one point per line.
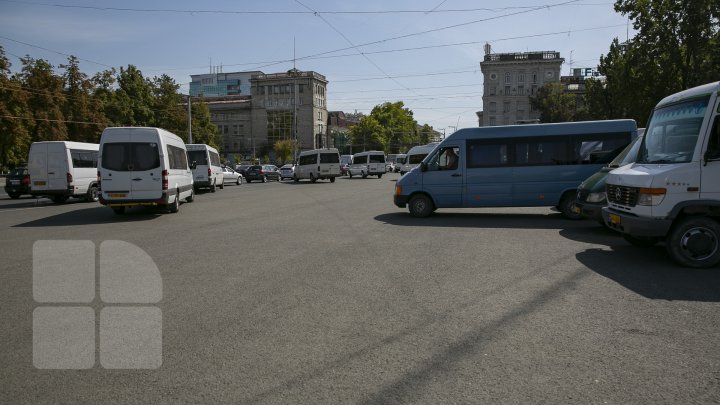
510 79
254 110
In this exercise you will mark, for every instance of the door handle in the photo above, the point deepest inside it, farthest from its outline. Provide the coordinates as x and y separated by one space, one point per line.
51 172
137 179
456 175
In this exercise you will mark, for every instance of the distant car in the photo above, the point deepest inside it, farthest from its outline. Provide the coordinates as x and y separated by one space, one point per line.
17 182
262 173
287 171
231 176
389 167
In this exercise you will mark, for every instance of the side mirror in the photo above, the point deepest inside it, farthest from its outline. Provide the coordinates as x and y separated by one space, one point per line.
711 155
423 166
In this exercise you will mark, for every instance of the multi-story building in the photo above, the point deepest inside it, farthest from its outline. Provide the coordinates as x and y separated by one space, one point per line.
510 79
254 110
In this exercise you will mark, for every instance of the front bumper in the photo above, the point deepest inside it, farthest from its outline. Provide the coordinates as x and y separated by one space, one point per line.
634 225
590 210
400 200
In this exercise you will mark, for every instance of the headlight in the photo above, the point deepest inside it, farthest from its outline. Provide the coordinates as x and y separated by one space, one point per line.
596 197
651 196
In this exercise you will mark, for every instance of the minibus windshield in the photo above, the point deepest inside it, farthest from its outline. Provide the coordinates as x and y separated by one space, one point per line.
673 132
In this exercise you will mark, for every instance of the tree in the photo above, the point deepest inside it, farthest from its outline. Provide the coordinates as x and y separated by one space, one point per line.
369 133
167 105
15 118
283 150
83 113
45 100
399 126
203 130
556 105
134 97
675 48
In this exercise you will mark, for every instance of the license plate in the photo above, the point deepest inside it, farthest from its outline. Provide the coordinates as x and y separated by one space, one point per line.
117 195
40 183
615 219
15 182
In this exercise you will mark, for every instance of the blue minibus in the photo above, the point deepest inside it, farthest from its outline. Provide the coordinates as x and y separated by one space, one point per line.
512 166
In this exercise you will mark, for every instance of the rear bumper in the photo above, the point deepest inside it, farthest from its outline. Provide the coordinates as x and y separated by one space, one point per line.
136 203
67 192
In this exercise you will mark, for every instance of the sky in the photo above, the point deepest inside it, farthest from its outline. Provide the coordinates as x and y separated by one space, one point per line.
425 53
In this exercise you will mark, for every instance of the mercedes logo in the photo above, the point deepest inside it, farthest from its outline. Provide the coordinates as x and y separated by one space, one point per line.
618 194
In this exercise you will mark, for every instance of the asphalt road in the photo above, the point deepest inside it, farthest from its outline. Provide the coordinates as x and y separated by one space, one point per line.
328 293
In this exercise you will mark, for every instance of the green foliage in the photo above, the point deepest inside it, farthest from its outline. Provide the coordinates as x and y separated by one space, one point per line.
390 127
556 105
675 48
284 150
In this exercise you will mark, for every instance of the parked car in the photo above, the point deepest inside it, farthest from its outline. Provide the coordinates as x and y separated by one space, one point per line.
345 162
287 171
231 176
17 182
262 173
242 169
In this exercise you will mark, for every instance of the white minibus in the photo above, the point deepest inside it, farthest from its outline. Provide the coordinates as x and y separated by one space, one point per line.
368 163
318 164
141 166
207 172
415 155
60 169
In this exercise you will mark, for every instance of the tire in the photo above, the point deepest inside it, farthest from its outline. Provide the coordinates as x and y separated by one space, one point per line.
222 185
695 242
640 241
350 174
92 194
59 199
364 176
313 179
14 196
213 188
175 206
568 207
332 179
238 181
118 210
264 179
380 176
295 179
420 206
401 173
191 197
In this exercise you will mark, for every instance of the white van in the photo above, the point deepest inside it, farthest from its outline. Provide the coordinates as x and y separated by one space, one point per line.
399 162
60 169
415 155
318 164
141 166
368 163
672 191
208 172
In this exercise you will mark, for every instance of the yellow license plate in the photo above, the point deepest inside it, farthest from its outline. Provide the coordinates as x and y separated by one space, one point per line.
40 183
615 219
117 195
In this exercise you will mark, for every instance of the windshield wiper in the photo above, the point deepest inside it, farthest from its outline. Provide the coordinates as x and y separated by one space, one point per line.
659 161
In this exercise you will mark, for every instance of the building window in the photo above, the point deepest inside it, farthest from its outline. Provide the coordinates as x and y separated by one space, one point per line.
493 106
533 90
492 90
492 121
521 77
521 90
507 77
507 90
506 106
534 77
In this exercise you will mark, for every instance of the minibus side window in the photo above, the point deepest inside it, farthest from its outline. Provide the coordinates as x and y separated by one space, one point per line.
487 154
713 149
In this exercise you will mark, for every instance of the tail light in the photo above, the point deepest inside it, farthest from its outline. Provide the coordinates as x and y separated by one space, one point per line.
262 172
26 180
69 178
98 181
209 172
165 181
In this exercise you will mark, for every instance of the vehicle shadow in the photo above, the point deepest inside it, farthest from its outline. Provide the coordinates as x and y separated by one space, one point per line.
483 220
92 216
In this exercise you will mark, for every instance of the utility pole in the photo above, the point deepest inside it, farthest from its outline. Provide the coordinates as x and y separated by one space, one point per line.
189 119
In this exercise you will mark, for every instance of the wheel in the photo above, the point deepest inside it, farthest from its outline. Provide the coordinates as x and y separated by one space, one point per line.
313 179
191 197
350 174
364 176
222 185
213 187
92 194
175 206
401 173
695 242
420 206
14 196
640 241
568 207
118 210
332 179
238 181
59 199
295 179
264 179
380 176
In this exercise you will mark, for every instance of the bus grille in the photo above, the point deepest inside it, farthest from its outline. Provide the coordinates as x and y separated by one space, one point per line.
626 196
